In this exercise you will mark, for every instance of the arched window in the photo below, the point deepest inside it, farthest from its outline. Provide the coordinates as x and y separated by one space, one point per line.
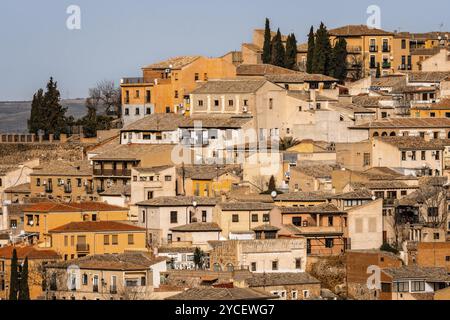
376 134
230 267
393 134
217 267
384 134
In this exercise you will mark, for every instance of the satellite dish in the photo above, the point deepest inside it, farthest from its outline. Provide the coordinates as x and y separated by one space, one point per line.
274 194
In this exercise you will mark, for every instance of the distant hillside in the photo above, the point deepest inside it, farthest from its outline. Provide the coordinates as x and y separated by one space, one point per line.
14 114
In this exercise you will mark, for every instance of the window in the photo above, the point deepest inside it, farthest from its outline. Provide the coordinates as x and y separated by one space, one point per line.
115 239
137 111
433 115
245 103
366 159
436 236
216 103
149 195
167 109
403 155
127 111
329 243
305 294
386 287
200 103
84 279
423 155
404 193
274 265
417 286
230 103
403 44
204 216
254 218
422 134
298 263
137 94
66 241
294 294
330 221
438 155
131 239
413 155
270 103
266 217
38 182
106 239
235 218
297 221
433 212
253 266
148 96
196 77
173 217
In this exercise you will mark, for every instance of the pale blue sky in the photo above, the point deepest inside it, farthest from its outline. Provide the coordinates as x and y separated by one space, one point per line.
118 37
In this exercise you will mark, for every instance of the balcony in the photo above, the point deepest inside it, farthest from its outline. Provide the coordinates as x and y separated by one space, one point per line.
373 65
113 290
386 48
389 202
134 80
373 48
48 190
95 288
82 247
67 189
112 172
354 49
386 65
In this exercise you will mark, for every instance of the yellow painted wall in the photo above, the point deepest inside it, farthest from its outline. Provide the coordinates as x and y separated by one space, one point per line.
66 243
49 221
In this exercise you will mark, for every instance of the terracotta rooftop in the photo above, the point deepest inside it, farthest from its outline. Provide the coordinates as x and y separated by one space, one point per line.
261 70
376 185
431 274
21 188
30 252
246 206
180 201
306 96
428 76
198 227
394 123
304 196
358 194
358 30
230 86
299 77
389 81
96 226
266 228
117 190
62 168
72 207
280 279
214 122
317 171
128 261
133 152
425 51
173 63
368 101
413 143
156 169
157 122
208 172
324 207
215 294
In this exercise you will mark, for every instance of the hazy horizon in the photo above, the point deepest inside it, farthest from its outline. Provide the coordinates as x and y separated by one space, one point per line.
117 38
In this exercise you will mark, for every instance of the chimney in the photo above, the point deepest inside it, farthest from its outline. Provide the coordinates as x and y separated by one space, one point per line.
345 98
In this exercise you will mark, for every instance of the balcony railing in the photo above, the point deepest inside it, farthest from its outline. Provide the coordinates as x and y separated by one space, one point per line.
82 247
112 172
67 189
133 80
48 190
113 289
386 65
373 65
373 48
386 48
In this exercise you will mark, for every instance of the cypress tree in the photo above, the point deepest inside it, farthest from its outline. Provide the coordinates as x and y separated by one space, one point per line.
278 51
338 68
36 117
378 74
24 292
272 185
56 121
267 48
14 280
322 52
310 55
291 52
